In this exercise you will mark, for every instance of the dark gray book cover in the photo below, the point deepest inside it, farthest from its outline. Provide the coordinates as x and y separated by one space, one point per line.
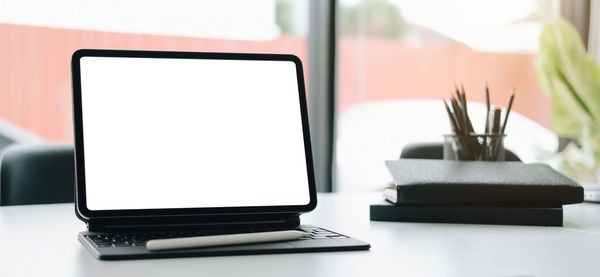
442 182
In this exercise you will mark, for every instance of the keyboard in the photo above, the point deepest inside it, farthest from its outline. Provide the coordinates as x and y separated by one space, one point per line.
131 239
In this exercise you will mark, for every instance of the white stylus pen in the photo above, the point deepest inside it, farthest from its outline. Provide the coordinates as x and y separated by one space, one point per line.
219 240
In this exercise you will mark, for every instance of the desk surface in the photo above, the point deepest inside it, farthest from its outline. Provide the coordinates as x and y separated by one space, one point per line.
40 240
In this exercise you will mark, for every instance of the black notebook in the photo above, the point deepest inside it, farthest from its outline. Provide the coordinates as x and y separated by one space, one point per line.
549 216
477 183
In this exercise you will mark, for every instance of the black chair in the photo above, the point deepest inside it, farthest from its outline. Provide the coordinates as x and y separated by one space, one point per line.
436 151
37 174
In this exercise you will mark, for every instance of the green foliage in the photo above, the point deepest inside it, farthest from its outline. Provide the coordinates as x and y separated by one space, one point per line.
570 77
379 18
284 16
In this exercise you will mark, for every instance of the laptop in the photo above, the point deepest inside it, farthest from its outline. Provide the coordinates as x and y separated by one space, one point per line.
182 144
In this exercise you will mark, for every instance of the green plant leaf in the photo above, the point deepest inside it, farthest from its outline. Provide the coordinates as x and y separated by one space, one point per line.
570 77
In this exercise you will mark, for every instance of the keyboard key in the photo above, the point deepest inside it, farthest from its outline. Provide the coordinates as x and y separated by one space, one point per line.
103 243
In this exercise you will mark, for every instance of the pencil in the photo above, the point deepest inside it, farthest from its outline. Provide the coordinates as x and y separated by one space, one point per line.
495 142
487 104
495 118
510 102
458 115
451 117
456 91
463 100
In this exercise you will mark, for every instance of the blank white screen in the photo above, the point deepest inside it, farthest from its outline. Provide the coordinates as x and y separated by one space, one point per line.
191 133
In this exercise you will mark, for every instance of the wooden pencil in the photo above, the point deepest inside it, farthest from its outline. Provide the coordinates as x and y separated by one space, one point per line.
510 102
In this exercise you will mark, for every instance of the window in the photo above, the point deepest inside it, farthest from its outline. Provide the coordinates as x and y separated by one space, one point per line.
37 39
398 58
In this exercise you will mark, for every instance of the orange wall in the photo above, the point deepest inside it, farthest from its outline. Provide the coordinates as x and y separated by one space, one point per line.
35 81
35 85
399 71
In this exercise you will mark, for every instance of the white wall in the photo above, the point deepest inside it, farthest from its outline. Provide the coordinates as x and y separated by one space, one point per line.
227 19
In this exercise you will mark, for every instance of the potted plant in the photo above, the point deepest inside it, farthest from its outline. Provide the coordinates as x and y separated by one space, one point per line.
572 79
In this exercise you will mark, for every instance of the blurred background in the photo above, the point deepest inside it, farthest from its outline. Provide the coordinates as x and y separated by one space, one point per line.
374 85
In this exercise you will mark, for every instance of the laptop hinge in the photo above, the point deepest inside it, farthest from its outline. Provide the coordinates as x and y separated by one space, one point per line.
125 224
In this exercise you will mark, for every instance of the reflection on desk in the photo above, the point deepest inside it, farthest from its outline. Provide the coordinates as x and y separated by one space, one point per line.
40 240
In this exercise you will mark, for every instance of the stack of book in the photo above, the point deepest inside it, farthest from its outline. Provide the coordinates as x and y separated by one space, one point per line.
476 192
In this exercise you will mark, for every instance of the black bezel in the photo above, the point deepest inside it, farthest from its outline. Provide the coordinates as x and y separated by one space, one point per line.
80 202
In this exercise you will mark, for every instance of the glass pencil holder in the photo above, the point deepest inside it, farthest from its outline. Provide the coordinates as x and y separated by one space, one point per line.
474 147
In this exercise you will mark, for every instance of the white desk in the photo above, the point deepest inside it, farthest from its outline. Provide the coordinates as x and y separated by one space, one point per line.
40 240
